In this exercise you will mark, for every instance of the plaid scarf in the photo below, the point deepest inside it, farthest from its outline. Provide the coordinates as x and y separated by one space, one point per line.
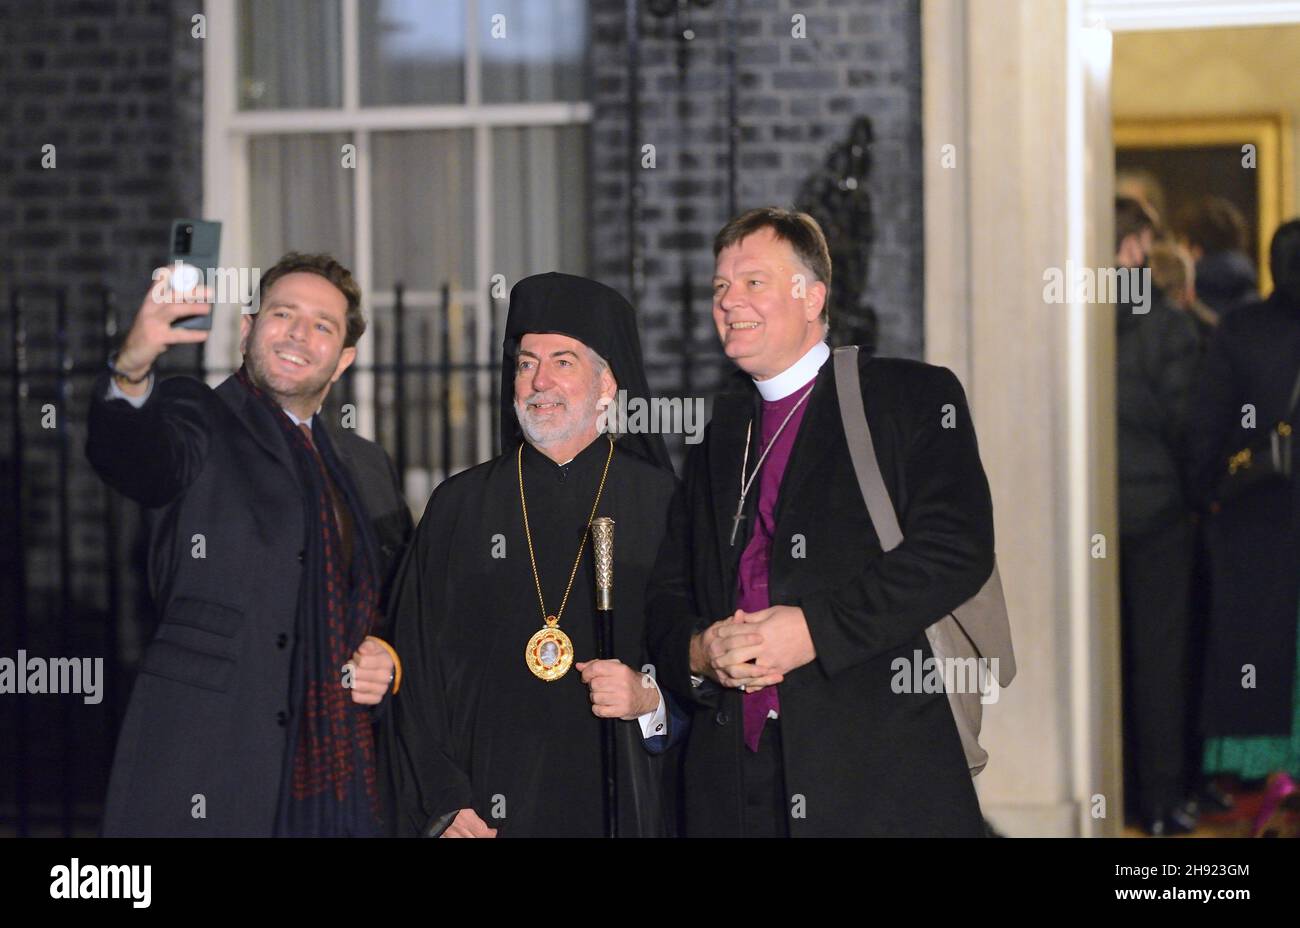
328 788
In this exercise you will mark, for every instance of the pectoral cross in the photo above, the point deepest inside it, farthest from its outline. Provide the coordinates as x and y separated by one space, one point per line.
737 519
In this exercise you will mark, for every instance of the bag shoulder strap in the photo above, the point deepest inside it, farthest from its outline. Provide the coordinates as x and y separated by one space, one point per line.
982 619
848 384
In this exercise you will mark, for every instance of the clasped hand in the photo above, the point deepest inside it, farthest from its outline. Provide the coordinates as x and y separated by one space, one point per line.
751 650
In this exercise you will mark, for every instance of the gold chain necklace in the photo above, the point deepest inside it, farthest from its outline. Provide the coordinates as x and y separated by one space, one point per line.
549 654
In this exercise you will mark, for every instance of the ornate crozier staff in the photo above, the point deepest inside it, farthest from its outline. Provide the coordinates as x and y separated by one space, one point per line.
602 539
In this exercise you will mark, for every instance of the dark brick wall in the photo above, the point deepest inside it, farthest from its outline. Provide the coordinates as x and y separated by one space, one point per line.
116 87
797 98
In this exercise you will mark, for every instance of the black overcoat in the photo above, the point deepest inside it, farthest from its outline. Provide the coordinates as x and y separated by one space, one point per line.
860 758
208 713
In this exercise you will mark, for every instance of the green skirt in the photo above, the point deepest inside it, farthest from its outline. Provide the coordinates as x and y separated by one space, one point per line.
1256 757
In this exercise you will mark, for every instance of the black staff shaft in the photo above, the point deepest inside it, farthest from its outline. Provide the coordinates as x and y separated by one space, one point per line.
602 535
608 754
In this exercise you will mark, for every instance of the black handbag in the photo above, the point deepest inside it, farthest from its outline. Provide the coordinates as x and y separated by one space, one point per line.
1266 460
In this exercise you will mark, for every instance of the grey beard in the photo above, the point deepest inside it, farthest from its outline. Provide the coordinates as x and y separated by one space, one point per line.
567 430
547 436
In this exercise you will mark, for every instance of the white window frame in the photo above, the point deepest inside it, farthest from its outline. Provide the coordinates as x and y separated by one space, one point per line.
1146 15
227 131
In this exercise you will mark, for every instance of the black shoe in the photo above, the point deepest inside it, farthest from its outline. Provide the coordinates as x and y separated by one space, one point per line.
1175 820
1212 799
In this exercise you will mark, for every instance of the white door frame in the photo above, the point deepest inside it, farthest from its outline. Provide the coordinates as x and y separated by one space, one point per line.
1019 178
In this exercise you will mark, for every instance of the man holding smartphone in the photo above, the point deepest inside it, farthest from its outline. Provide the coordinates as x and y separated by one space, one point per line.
272 537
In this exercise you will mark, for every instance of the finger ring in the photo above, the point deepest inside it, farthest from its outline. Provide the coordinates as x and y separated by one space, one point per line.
742 687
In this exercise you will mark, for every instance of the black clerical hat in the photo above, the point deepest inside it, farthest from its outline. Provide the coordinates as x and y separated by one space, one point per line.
595 315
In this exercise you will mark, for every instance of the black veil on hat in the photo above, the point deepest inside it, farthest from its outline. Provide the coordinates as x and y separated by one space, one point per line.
595 315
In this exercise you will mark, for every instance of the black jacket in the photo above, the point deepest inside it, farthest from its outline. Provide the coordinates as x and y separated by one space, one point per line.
865 759
207 717
1156 354
1254 541
1225 281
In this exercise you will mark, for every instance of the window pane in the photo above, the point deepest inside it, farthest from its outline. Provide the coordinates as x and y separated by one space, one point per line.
290 54
539 201
301 197
422 194
534 50
412 51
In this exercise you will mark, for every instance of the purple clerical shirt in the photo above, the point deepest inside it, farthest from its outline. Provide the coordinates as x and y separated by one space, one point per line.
755 563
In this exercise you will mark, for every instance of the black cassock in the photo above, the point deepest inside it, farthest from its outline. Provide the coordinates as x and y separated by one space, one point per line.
471 725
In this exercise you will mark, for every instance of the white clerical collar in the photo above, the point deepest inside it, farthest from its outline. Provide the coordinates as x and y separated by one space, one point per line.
796 375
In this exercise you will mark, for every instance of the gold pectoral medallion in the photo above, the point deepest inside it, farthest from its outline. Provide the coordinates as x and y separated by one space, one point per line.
550 652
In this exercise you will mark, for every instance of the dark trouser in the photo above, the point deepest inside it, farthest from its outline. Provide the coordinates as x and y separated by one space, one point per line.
1155 587
767 807
1198 617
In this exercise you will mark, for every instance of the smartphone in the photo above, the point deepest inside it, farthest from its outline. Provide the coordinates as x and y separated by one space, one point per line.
195 250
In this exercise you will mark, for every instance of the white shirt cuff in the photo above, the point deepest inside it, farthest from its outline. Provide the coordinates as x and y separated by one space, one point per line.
654 724
115 392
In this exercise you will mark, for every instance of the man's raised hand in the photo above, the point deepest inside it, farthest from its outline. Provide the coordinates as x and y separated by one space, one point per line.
152 333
